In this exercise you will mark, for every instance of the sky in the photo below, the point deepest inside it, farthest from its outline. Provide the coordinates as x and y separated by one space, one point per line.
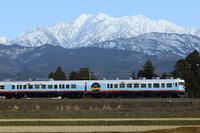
17 16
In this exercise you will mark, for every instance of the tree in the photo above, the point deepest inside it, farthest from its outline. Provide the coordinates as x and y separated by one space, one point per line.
51 75
85 74
140 73
148 70
59 74
183 69
164 76
92 76
133 75
194 60
73 75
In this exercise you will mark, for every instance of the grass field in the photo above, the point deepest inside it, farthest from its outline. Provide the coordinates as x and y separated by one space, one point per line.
103 108
56 115
101 123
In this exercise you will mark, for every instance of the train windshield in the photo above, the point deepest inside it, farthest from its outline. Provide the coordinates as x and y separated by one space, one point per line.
181 83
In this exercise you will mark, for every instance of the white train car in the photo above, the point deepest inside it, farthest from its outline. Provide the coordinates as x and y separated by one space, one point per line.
94 88
137 88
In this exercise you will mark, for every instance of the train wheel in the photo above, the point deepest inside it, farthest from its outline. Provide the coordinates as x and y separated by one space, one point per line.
78 96
174 95
8 96
63 97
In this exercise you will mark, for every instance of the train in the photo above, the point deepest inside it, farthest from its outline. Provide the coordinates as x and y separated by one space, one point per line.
129 88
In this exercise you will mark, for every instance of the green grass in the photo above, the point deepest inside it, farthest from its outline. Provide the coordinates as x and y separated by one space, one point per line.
100 123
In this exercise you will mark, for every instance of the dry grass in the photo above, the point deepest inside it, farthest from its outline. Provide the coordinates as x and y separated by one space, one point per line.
177 130
99 108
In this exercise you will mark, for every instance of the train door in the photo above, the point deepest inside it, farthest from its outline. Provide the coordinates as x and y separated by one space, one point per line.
85 87
18 91
176 85
109 88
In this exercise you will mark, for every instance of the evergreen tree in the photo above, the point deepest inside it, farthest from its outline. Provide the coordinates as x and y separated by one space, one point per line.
182 67
184 71
133 75
194 60
59 74
73 75
148 69
164 76
140 73
51 75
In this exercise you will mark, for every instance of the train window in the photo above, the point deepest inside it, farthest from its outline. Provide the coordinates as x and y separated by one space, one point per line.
50 86
129 85
122 85
30 86
1 86
61 86
176 84
108 86
67 86
73 86
116 85
24 86
43 86
163 85
143 85
55 86
136 85
169 85
17 86
20 86
111 85
13 86
181 83
156 85
149 85
37 87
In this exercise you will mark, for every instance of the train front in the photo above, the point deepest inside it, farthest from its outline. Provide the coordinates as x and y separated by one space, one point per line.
181 87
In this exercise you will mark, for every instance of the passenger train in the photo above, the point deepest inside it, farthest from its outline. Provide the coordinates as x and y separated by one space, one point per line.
93 88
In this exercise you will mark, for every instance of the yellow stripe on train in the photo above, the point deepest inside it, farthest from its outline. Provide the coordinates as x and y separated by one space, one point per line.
94 89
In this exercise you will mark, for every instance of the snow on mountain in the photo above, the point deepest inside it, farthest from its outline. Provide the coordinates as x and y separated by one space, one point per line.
156 43
3 40
90 29
14 51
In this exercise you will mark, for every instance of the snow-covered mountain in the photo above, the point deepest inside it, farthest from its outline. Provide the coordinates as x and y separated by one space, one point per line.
3 40
155 44
92 29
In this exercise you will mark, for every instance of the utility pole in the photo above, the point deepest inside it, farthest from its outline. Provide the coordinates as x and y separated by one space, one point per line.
89 75
99 73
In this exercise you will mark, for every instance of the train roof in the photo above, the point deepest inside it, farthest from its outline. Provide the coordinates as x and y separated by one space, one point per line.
105 81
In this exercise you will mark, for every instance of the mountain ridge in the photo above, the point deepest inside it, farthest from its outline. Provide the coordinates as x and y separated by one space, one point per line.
90 29
155 44
38 62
